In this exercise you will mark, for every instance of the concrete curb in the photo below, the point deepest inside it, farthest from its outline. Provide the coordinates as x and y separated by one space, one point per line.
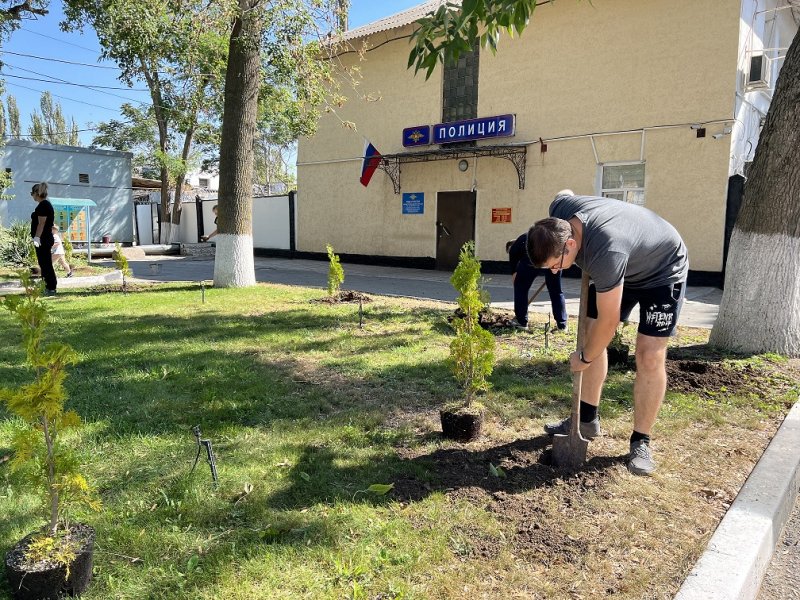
739 552
69 283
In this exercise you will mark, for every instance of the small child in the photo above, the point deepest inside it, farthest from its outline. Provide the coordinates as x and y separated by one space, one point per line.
59 255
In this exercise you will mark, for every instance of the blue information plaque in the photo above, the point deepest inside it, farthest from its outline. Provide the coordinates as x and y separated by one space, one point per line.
413 203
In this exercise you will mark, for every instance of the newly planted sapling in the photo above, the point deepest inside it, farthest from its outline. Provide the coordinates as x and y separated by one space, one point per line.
40 456
335 273
472 352
121 262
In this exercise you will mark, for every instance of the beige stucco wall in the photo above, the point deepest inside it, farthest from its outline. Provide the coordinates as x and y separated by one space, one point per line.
580 68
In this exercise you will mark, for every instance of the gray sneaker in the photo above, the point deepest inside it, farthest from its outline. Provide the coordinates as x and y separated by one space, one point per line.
589 430
640 460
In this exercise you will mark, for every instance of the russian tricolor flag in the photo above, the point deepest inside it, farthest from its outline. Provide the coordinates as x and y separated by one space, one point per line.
372 158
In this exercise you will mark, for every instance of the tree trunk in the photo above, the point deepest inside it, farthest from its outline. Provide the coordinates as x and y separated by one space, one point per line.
233 266
166 228
760 309
177 208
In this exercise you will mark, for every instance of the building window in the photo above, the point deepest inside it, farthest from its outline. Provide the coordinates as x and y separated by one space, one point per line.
83 178
203 183
460 89
623 182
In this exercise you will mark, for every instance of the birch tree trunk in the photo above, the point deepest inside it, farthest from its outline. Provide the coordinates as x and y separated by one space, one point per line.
233 266
760 309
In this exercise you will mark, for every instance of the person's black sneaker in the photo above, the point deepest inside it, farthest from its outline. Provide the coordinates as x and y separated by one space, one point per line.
589 430
49 292
640 459
518 325
70 273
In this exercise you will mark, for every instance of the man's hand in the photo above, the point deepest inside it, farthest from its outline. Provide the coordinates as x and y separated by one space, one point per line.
576 365
203 238
37 242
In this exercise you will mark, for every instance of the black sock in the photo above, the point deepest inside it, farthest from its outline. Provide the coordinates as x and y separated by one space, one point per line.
636 436
588 412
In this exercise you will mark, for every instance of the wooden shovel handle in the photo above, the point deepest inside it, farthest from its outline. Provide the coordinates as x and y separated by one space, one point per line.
577 378
537 292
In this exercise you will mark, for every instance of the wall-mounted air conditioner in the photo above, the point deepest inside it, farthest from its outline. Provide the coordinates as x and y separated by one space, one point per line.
758 76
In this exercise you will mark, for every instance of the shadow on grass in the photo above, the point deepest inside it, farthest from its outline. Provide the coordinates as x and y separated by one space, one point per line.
525 464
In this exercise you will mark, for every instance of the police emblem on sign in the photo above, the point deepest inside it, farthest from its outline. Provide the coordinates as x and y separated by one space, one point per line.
417 136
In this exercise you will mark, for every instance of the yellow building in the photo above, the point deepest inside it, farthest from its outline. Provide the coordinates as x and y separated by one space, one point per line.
650 101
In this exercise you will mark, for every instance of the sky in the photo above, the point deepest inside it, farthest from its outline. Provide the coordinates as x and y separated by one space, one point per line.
26 77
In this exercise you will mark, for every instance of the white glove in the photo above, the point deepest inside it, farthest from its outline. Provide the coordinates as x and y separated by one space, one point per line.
37 242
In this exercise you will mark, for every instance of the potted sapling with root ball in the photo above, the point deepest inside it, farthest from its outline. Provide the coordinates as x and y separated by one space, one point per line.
618 351
57 559
471 352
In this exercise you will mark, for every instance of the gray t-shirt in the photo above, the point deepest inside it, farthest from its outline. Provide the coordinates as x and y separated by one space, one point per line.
624 243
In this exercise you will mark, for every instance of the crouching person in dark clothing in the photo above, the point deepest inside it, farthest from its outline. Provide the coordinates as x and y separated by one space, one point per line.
523 274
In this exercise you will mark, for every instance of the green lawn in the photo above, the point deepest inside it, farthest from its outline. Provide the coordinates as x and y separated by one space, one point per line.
306 411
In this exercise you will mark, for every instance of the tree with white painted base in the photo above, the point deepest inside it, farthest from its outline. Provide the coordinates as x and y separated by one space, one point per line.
760 309
296 82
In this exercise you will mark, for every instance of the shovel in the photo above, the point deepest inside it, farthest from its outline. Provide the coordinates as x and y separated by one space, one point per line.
570 450
537 292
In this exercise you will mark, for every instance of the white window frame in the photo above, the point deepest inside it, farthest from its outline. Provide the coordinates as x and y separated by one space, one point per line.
628 193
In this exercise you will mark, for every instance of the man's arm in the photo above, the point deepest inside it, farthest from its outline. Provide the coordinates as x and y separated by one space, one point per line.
608 309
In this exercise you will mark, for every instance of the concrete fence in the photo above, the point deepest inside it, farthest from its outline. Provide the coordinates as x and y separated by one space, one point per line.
273 221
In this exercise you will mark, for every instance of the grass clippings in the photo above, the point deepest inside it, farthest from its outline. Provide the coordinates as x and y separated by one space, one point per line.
307 411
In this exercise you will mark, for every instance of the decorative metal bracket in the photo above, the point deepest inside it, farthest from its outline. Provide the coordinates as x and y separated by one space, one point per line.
391 166
518 155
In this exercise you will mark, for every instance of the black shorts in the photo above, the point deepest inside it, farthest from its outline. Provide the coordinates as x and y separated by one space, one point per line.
659 307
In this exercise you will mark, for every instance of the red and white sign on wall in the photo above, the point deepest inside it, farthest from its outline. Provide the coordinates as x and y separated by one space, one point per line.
501 215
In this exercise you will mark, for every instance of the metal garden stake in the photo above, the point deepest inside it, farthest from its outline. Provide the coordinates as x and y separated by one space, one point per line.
212 461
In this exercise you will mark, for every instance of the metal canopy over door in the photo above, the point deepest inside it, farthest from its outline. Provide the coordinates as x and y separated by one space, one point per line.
455 226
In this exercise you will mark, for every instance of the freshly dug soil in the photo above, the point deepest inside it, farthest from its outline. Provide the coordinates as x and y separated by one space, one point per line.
344 297
707 378
523 465
487 319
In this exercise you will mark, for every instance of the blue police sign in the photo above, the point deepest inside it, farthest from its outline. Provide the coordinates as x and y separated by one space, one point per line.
417 136
413 203
474 129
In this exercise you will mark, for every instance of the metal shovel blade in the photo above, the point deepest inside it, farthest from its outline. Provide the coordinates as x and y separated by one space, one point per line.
570 450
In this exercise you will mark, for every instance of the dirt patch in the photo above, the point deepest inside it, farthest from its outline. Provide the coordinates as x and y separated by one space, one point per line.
707 378
488 319
499 479
113 288
343 297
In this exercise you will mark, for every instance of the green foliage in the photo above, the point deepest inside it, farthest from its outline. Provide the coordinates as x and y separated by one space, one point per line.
335 272
120 260
12 13
38 454
50 127
452 29
68 249
618 341
16 249
472 352
52 548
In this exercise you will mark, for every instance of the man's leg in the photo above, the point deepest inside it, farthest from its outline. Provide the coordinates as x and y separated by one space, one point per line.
651 381
591 389
522 285
595 376
557 300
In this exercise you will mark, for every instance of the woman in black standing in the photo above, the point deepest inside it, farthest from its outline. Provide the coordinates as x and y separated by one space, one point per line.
42 232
